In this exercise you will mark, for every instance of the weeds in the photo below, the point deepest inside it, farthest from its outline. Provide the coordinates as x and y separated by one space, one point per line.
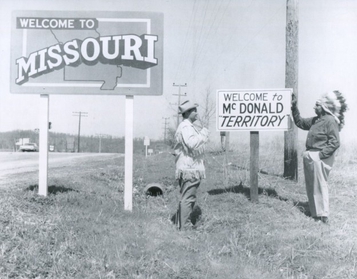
81 230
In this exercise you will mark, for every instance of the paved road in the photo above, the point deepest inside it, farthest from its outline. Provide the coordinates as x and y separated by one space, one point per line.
18 162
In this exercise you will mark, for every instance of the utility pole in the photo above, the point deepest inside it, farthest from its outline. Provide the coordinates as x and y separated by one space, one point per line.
100 142
100 136
291 81
179 99
165 127
80 114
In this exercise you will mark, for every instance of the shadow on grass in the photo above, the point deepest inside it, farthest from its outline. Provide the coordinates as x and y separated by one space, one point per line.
195 215
303 207
53 189
240 189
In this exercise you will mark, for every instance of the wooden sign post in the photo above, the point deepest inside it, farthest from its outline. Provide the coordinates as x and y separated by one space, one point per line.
253 110
254 165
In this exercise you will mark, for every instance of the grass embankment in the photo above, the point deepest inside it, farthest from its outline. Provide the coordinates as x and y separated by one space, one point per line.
82 231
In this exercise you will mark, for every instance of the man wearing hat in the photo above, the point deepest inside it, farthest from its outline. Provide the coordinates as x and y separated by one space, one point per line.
189 151
321 143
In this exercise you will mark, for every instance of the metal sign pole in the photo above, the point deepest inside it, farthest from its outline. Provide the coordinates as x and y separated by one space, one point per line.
129 123
43 145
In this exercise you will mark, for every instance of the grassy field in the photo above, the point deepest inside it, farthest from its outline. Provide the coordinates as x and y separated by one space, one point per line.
82 231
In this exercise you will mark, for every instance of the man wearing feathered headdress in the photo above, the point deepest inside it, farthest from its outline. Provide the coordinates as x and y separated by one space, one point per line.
322 141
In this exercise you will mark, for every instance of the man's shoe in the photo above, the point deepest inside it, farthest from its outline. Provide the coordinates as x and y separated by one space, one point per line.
322 219
317 219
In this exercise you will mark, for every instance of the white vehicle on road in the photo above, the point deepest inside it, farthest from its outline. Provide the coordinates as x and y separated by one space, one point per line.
28 147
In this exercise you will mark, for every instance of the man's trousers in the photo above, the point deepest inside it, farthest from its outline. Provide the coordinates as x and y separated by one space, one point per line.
188 190
316 172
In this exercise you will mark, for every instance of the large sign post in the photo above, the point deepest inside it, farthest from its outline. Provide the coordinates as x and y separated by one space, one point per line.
85 52
253 110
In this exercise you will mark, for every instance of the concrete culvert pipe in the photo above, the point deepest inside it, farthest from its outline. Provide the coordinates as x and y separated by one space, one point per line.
154 189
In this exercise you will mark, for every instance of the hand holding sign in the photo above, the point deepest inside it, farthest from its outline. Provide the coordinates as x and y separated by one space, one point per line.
293 100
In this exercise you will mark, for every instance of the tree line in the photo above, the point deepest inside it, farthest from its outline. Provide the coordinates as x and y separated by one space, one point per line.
62 142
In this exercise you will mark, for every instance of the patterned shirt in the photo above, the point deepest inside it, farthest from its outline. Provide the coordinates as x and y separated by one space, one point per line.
189 151
323 133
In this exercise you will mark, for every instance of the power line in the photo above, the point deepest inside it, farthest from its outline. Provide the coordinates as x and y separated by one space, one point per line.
201 51
179 99
216 21
232 59
200 34
189 28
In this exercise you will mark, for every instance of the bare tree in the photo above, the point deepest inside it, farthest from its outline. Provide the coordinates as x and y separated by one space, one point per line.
170 137
208 108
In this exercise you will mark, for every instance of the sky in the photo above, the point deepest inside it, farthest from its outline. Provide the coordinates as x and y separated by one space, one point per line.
208 45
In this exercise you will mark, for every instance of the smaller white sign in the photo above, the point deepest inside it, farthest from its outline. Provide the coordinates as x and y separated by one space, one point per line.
253 110
146 141
150 151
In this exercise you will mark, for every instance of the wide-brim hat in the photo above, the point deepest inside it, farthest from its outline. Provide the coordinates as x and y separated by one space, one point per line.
185 106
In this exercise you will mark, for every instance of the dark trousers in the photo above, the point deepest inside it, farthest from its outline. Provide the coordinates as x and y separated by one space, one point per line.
188 190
